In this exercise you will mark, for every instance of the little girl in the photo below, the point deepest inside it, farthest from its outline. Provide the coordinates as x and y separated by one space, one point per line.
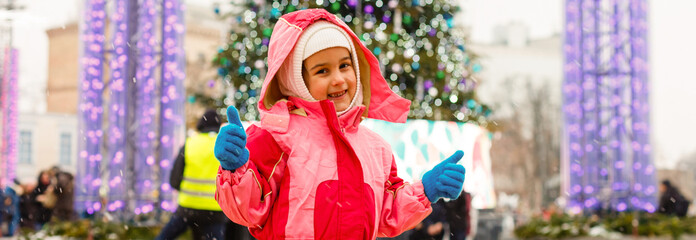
314 172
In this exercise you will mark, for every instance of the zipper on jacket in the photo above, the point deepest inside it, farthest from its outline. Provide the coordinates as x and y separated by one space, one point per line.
327 108
340 126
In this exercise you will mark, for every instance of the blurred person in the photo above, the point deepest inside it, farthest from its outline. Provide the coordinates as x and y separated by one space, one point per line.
43 199
672 202
459 216
193 175
63 186
10 214
5 201
27 208
433 226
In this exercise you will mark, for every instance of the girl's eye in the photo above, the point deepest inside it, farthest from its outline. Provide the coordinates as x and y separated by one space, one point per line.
344 65
321 71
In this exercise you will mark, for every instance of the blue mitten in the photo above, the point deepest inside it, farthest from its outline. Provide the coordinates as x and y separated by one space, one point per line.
230 145
445 179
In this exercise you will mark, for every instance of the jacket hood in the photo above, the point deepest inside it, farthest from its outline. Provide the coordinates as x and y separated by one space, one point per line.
379 101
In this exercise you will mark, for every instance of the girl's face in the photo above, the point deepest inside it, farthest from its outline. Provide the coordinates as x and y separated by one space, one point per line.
329 74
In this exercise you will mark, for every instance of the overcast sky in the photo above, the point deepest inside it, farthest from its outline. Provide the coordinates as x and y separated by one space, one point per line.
672 51
672 55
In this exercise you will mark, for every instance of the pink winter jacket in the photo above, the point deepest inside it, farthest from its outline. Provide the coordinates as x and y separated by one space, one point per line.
313 175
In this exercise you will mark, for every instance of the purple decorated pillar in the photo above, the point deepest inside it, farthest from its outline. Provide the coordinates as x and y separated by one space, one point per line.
145 108
91 86
607 155
4 77
172 95
119 88
8 151
643 168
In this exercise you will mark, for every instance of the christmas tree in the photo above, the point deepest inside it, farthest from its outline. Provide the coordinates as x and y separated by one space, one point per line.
422 52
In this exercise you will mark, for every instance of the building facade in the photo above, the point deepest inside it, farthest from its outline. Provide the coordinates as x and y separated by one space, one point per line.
45 140
49 138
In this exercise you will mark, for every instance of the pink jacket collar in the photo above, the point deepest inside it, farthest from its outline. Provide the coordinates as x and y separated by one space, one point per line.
279 115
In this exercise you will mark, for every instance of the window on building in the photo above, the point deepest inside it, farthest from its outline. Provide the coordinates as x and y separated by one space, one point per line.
65 148
25 147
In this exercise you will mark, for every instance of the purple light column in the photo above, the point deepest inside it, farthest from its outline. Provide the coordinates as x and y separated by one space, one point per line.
572 93
12 113
118 109
606 107
4 70
88 178
9 126
589 121
644 177
613 134
145 118
172 101
3 99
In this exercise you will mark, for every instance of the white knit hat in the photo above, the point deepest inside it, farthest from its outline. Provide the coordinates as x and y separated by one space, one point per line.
318 36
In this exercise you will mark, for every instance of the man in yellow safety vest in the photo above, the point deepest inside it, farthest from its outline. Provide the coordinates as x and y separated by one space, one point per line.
193 174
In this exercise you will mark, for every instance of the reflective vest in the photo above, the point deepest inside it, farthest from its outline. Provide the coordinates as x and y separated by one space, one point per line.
200 171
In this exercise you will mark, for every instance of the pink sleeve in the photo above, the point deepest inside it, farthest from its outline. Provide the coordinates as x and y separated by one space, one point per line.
404 205
240 195
246 195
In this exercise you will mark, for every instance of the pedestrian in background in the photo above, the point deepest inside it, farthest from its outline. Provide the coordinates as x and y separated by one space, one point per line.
193 175
672 202
43 199
10 214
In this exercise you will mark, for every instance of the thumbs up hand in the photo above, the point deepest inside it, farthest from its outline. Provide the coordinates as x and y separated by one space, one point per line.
230 145
445 179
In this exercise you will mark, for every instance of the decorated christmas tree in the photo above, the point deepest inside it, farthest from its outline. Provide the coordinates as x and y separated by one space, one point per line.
423 54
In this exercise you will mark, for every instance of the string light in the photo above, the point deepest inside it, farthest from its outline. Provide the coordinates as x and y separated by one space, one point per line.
90 108
145 134
118 117
172 97
158 111
4 98
8 150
